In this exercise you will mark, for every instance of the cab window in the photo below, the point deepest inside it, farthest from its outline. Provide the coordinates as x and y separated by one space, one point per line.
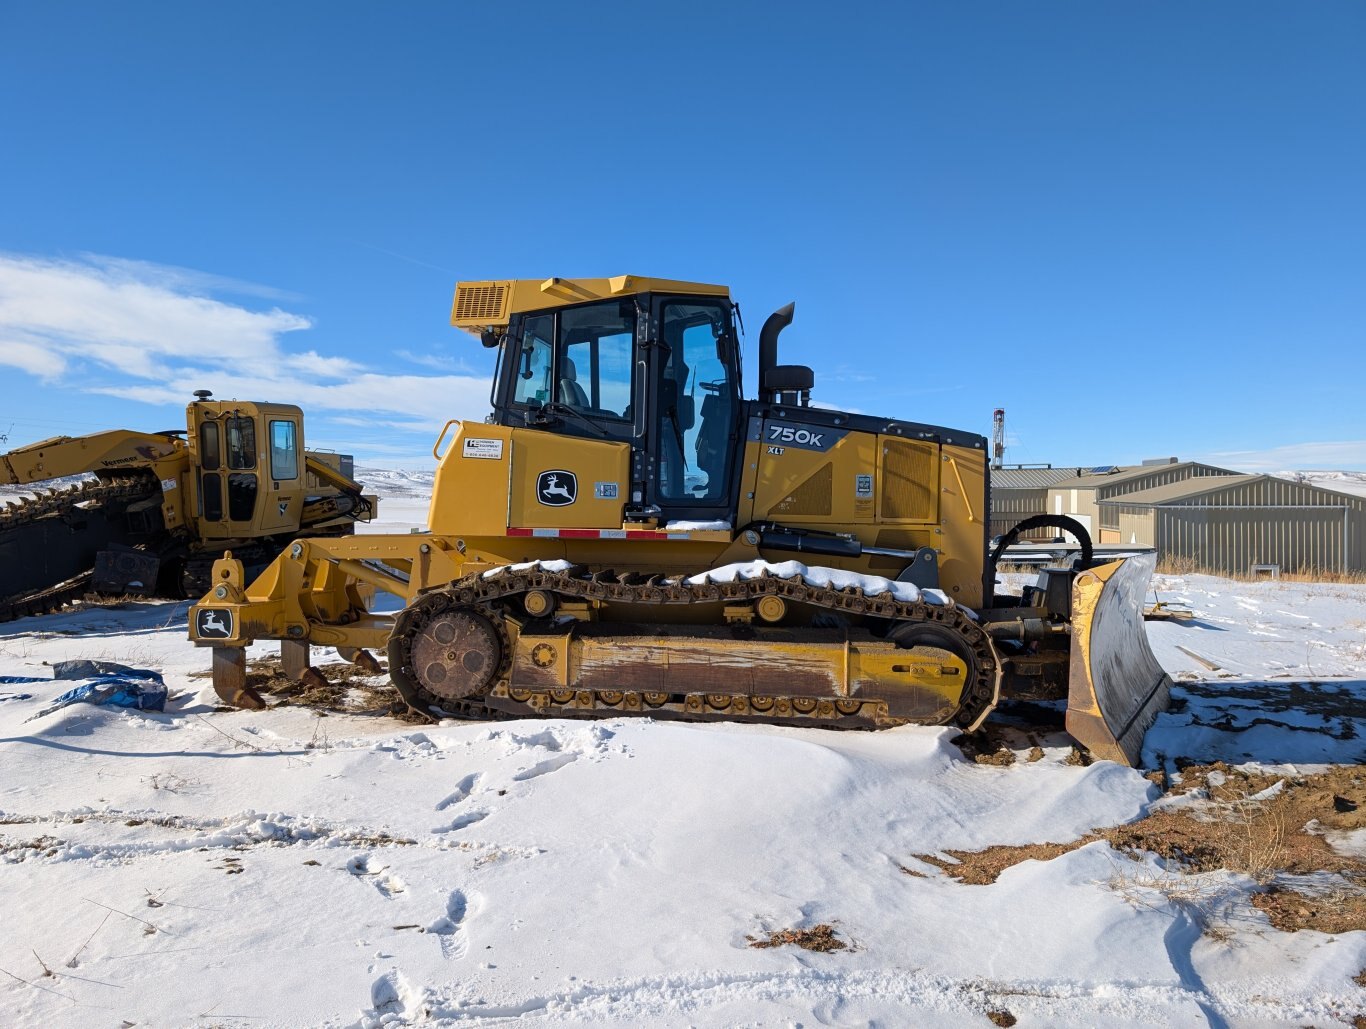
531 377
284 453
208 447
596 346
241 439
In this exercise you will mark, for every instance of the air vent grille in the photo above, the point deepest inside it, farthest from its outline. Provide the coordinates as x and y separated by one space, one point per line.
909 483
812 497
483 303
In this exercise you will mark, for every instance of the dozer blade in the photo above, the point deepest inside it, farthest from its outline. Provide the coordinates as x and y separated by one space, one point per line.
1116 688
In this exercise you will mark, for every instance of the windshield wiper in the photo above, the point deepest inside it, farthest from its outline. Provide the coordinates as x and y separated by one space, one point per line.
555 407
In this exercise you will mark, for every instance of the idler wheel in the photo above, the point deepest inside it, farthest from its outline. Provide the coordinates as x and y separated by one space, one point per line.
457 654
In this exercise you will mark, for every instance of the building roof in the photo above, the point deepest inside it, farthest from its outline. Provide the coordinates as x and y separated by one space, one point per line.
1029 478
1181 490
1131 472
1201 485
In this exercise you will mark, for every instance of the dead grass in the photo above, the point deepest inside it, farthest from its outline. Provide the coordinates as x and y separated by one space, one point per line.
1179 565
820 938
1265 838
1334 911
1001 1017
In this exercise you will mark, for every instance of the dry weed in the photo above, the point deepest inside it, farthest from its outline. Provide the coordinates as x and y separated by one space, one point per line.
820 938
1179 564
1263 826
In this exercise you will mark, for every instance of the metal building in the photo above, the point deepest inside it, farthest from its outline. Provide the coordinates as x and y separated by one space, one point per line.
1017 493
1235 524
1083 496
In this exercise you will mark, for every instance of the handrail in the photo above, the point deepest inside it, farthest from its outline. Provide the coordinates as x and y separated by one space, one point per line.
436 447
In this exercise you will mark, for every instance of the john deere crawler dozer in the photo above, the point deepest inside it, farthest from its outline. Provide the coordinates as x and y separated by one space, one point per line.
161 507
628 535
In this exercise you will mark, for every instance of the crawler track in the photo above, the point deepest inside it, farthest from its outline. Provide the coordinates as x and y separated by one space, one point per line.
48 573
452 649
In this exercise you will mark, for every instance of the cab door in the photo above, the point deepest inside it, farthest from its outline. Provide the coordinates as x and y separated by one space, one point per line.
283 502
695 408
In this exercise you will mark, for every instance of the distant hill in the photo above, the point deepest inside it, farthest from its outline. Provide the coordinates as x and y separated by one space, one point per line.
395 482
1344 482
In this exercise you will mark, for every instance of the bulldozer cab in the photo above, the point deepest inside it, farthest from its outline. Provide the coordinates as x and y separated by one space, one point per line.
247 475
658 370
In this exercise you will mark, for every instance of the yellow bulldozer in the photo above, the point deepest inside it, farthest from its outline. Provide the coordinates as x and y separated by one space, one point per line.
626 534
153 510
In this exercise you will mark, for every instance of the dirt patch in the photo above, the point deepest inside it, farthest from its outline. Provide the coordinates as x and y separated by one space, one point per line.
1001 1017
1265 826
820 938
345 689
1338 911
986 747
984 867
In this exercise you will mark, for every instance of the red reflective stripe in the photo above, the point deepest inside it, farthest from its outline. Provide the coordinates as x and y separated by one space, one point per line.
594 534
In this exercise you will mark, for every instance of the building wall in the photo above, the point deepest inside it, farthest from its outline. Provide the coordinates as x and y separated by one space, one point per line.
1075 503
1261 521
1300 539
1010 506
1136 526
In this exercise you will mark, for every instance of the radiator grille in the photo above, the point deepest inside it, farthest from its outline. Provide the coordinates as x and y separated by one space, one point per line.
480 303
810 498
909 483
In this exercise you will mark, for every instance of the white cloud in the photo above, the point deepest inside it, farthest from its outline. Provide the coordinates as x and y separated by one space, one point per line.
1340 454
102 313
313 363
441 362
103 321
429 399
183 280
33 358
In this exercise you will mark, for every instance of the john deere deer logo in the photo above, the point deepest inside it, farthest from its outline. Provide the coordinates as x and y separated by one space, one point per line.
557 488
213 625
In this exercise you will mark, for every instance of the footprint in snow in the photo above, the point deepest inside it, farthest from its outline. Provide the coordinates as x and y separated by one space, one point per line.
462 790
449 928
550 764
388 884
545 739
461 821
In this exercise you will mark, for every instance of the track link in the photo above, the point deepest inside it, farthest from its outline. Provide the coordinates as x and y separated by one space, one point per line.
495 597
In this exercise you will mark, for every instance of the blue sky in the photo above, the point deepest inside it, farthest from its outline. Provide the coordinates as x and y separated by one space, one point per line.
1139 228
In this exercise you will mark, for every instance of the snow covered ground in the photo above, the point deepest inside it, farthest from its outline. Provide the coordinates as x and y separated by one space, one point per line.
205 867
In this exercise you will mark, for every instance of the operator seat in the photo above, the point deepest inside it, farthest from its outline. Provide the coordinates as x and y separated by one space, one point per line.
571 393
713 438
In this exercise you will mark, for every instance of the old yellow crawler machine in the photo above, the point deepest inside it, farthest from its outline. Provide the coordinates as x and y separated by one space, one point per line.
622 536
158 508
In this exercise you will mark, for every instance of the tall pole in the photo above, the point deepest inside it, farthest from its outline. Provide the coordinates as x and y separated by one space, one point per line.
998 438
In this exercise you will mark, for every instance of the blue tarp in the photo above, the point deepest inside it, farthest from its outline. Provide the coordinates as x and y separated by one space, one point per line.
107 682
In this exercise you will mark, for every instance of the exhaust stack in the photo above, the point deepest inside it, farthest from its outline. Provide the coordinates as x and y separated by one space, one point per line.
781 383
